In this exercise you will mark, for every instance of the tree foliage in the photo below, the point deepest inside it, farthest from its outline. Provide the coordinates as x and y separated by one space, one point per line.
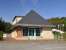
4 26
57 21
65 24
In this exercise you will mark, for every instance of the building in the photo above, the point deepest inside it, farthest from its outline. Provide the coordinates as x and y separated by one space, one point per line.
31 27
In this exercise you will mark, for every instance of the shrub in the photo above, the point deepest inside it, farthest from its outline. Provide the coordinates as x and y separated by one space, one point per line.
1 35
64 36
57 35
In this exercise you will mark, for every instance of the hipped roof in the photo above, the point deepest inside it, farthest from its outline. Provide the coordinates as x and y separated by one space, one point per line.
33 18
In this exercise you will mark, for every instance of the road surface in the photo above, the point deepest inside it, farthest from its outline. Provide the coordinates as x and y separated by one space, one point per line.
38 45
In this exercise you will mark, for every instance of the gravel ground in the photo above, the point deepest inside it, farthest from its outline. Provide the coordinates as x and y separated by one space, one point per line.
32 45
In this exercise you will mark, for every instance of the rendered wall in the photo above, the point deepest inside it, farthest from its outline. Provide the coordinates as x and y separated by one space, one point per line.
16 20
47 35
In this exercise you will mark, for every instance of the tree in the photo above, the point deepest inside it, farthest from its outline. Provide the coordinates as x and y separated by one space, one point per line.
4 26
7 27
58 22
65 24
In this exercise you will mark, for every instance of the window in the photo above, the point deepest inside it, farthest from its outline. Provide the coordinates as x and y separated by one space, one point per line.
31 32
25 31
37 31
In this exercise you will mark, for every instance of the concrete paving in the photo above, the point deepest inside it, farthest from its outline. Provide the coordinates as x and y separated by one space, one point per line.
33 45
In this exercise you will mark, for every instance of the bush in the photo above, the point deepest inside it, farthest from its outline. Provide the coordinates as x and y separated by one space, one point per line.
57 35
1 35
64 36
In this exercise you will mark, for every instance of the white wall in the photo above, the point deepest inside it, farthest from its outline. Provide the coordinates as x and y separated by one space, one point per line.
17 19
47 35
14 34
5 35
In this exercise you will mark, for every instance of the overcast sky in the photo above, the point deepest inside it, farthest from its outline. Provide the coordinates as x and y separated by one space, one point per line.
46 8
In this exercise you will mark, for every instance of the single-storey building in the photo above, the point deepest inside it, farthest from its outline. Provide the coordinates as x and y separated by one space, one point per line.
31 27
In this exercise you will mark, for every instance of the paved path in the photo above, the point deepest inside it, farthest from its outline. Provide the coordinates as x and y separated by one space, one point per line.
32 45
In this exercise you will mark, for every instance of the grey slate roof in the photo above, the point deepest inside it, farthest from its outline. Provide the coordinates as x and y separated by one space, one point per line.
33 18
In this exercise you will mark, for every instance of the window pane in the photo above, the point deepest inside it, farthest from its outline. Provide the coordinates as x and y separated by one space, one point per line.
37 32
25 31
31 32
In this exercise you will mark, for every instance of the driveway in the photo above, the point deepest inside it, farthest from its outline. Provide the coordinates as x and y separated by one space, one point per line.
33 45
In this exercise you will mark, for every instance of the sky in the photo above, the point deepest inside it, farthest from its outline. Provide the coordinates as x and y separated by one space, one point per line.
46 8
